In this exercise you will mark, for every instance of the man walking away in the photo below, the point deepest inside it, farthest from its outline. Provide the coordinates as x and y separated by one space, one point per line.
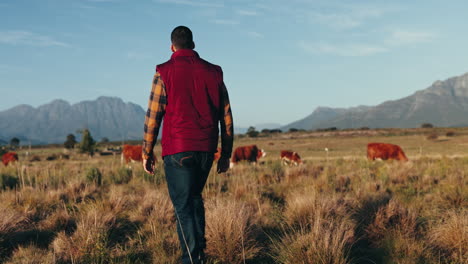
190 94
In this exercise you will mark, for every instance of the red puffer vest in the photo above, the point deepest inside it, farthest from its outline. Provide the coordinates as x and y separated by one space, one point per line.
194 104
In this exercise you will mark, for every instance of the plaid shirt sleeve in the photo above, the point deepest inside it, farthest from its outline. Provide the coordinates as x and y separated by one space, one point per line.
154 115
227 127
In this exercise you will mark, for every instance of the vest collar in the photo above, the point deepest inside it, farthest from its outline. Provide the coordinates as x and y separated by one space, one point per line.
185 53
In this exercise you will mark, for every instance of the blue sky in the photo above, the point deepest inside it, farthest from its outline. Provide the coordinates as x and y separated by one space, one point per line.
281 59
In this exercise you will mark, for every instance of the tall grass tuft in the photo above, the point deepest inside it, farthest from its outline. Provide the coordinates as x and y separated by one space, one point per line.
90 242
326 241
450 236
229 232
31 255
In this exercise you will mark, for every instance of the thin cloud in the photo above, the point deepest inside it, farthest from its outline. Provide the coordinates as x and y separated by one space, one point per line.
5 68
191 3
346 17
255 34
225 22
247 12
404 37
345 50
17 37
337 21
134 55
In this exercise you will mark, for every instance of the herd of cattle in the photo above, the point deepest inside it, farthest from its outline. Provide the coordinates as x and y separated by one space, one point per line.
252 153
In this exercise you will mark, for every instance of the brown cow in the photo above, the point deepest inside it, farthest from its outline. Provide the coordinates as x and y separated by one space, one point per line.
9 157
248 153
385 151
290 157
131 153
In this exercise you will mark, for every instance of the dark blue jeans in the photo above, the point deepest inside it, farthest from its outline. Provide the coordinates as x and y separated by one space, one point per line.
186 175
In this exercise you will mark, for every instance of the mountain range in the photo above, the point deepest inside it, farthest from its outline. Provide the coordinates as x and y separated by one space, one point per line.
50 123
444 103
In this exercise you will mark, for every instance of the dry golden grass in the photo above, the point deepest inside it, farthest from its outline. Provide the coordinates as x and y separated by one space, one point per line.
337 207
229 230
450 234
32 255
325 241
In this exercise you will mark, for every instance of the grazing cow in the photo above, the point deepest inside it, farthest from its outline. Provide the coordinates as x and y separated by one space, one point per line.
131 153
385 151
290 157
9 157
248 153
217 155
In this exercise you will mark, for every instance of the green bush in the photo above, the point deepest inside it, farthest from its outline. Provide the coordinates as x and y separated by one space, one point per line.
123 175
93 175
157 178
8 181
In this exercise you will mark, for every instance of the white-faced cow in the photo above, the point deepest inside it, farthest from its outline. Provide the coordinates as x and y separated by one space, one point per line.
290 157
248 153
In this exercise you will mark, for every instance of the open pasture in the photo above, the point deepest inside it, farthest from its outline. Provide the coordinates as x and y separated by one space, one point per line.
337 207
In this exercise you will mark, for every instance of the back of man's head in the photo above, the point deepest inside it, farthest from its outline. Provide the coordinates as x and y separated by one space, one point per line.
182 38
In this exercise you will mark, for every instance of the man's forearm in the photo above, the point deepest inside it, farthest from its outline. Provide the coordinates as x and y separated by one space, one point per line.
154 115
227 139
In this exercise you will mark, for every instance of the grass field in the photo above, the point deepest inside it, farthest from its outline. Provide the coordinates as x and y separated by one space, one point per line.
337 207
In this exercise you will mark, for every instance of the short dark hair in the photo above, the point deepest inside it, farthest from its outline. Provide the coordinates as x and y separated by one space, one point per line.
182 38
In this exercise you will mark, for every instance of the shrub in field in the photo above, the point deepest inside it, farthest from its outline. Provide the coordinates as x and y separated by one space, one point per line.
294 173
11 221
450 236
304 206
158 234
395 230
392 217
450 134
31 255
8 182
229 232
432 136
94 175
70 141
90 242
277 170
60 220
326 242
157 178
122 175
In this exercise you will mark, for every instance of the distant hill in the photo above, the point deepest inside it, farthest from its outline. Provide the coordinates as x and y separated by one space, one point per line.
50 123
444 103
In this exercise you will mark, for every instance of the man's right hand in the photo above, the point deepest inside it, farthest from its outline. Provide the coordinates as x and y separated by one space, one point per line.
148 165
223 164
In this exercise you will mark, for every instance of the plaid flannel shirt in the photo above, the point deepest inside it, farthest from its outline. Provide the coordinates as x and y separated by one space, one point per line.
157 108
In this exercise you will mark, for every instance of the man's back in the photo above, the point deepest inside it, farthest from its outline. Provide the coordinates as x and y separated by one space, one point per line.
193 90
